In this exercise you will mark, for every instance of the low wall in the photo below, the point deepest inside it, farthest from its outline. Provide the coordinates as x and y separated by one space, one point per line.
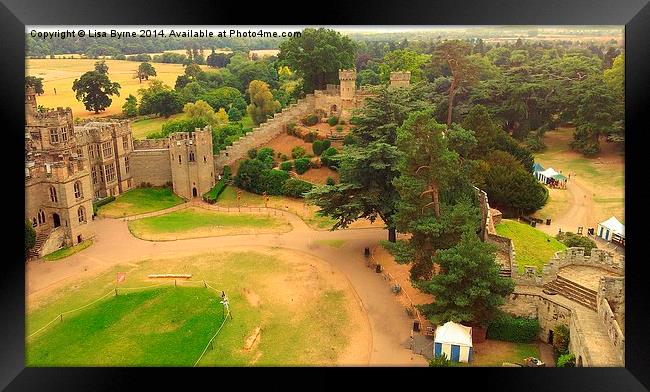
152 166
506 246
610 300
150 144
264 133
55 241
547 312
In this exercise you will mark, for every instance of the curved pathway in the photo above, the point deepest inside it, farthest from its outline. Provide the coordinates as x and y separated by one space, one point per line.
113 244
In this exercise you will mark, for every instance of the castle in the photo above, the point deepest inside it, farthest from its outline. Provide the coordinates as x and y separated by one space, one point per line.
67 167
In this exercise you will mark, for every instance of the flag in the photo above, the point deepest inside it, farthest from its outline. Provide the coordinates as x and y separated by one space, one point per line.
121 276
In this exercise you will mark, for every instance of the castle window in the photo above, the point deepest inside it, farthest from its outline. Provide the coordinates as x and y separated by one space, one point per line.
179 159
192 157
91 151
101 173
107 150
110 172
81 214
54 136
41 217
80 152
94 174
53 194
77 190
127 166
64 134
129 182
125 142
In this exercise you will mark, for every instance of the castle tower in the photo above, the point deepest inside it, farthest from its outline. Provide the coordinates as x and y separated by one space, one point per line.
192 162
400 78
30 104
348 82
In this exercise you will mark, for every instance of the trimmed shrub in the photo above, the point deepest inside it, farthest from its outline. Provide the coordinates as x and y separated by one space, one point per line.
30 236
284 157
318 147
227 171
249 176
298 152
311 136
295 187
330 181
302 165
574 240
310 120
332 121
273 181
513 329
561 339
102 202
265 153
440 361
327 158
212 195
252 153
339 128
327 143
348 140
291 129
566 360
286 166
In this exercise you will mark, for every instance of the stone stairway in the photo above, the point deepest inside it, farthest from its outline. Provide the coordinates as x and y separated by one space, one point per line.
40 240
573 291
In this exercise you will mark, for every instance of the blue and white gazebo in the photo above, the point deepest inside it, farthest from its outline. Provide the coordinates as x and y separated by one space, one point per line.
455 341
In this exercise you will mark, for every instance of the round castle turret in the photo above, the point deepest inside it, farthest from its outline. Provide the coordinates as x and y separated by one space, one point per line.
348 82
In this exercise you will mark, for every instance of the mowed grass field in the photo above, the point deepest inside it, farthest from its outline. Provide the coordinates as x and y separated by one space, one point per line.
304 309
139 201
61 73
198 222
603 175
532 247
67 251
167 326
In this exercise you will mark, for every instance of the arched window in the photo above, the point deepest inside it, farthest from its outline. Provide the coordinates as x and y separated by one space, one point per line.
41 217
53 194
77 190
179 159
81 213
191 156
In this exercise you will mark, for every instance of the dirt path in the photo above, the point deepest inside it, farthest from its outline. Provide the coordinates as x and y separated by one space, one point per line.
579 209
388 322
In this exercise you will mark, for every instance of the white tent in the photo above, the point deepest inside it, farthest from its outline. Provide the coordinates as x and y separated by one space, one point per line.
608 228
453 340
543 176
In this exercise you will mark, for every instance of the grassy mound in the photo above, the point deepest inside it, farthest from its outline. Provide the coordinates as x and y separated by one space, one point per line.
139 201
532 247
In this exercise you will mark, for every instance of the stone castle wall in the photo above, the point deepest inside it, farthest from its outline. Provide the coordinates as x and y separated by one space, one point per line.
610 300
152 166
547 312
264 133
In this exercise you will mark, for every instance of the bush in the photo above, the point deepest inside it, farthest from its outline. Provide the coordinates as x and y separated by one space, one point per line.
339 128
212 195
332 121
566 360
227 172
311 136
511 328
310 120
234 114
286 166
327 143
440 361
561 339
574 240
348 140
295 187
252 153
297 152
107 200
327 158
317 147
273 181
330 181
284 157
291 129
302 165
30 236
249 176
265 154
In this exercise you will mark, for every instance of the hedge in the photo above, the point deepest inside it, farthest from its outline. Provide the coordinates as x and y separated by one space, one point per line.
212 195
511 328
102 202
295 187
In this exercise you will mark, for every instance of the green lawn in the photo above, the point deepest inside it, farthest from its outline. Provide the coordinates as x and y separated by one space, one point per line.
197 222
501 352
156 327
532 247
67 251
303 317
139 201
142 128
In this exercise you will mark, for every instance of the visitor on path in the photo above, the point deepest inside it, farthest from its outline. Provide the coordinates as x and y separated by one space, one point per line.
54 90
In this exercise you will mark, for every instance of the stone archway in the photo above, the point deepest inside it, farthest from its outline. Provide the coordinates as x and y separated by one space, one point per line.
579 362
195 193
56 219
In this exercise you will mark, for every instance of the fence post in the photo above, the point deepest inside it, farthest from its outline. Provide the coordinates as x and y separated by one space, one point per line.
61 317
174 282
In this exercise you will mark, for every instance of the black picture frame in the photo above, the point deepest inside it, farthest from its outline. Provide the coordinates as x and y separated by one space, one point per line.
634 14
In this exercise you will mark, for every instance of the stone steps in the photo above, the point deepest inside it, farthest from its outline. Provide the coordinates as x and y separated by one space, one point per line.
573 291
41 238
505 273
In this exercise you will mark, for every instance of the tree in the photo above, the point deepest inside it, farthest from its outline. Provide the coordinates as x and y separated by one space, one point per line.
469 288
262 104
144 71
30 236
217 60
94 88
234 114
367 167
317 55
225 97
35 83
403 60
596 115
464 71
166 103
130 107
